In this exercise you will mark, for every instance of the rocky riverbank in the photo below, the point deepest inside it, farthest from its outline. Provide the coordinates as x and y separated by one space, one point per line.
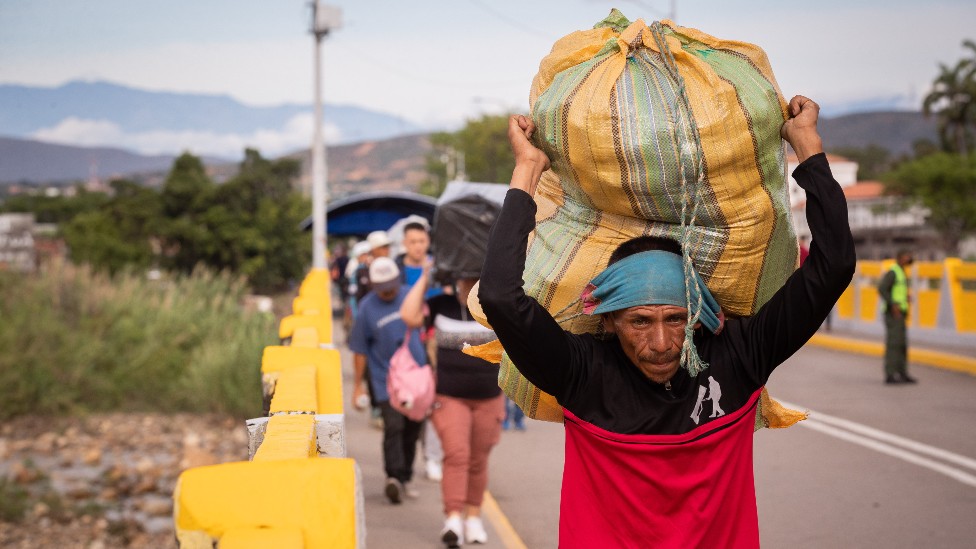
103 481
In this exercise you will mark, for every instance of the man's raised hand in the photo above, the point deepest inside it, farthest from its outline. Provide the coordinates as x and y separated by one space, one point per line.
530 161
800 130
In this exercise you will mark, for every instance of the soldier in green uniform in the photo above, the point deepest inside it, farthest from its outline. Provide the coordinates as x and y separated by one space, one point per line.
893 289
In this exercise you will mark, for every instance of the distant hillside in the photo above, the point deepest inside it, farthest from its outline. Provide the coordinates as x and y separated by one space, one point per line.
390 164
382 164
112 115
895 131
35 162
398 163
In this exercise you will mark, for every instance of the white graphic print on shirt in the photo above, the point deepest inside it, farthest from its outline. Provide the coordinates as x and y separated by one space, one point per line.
714 391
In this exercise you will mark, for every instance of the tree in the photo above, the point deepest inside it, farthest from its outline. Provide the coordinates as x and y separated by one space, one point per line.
944 184
249 225
872 161
953 99
186 187
185 197
55 209
118 234
483 146
253 221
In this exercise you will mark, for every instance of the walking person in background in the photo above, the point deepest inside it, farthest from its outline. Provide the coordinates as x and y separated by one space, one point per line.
893 290
514 416
469 406
378 244
360 256
416 244
338 265
376 335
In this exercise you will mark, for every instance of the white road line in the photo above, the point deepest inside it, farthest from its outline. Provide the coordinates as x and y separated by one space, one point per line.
887 443
905 455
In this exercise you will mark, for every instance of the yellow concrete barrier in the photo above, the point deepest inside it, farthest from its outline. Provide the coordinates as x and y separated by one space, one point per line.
943 294
306 337
317 281
310 305
938 359
321 498
845 305
328 375
321 323
869 274
288 437
928 282
962 287
295 390
262 538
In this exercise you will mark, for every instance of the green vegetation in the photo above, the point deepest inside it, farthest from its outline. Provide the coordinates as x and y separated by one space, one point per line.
13 501
80 340
54 209
872 161
483 146
248 226
944 181
116 235
953 100
945 184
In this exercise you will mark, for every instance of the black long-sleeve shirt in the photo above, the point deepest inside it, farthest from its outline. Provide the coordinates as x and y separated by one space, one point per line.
596 381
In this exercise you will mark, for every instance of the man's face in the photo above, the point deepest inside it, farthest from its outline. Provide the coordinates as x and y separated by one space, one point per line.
415 244
651 337
905 260
382 251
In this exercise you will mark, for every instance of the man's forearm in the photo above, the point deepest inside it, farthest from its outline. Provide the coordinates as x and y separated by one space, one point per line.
533 340
412 309
359 369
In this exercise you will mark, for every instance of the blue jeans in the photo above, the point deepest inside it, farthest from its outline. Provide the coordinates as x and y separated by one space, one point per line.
513 414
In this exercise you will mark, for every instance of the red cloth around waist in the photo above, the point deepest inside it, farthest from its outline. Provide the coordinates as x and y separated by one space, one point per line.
690 490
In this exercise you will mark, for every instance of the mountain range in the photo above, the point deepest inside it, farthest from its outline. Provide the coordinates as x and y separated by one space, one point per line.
85 129
102 114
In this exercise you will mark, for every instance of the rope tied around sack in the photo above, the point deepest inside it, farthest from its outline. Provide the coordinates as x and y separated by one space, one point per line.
691 155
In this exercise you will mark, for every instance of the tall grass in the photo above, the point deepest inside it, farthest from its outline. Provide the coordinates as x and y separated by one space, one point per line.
74 340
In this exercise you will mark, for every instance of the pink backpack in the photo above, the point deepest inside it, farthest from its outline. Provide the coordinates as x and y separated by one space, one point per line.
411 386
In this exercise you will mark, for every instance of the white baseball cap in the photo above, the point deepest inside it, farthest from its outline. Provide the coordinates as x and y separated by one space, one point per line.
384 274
361 247
378 239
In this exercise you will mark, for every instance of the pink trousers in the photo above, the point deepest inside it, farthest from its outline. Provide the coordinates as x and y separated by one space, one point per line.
468 430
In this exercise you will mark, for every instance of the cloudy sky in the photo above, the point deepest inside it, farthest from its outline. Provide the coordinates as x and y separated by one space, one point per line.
438 62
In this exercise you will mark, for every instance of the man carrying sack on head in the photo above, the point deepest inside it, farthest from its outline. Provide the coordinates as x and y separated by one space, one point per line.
659 415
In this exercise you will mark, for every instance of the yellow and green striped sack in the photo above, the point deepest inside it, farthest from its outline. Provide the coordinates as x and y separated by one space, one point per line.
655 130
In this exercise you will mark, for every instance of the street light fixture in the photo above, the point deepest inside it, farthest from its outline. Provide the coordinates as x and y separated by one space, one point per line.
324 20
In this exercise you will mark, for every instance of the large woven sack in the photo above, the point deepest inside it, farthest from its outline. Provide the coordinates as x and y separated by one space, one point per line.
647 127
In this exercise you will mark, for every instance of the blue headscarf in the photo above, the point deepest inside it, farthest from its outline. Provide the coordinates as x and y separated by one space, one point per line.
651 278
657 277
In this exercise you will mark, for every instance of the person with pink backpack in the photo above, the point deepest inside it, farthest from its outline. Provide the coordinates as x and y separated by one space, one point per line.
378 333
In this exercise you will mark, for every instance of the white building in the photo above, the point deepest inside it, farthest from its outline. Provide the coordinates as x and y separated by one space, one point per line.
880 229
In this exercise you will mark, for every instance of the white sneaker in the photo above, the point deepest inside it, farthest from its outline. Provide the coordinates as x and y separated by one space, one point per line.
434 470
410 491
474 530
451 534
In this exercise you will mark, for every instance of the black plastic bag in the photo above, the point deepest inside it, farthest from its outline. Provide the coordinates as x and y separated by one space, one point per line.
459 237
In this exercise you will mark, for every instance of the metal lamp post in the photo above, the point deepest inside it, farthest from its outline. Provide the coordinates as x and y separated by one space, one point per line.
324 20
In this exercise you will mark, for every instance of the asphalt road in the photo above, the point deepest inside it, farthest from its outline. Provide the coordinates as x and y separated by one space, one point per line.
875 466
